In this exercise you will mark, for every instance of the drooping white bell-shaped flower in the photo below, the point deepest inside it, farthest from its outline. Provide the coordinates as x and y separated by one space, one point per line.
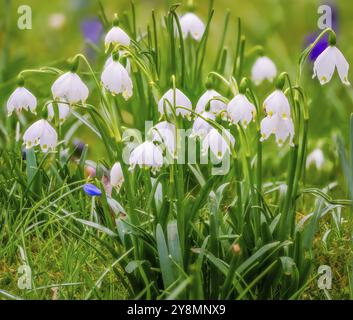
69 87
218 143
146 155
41 133
165 133
116 175
116 36
241 110
175 99
282 128
209 98
64 111
116 79
127 65
316 157
325 65
277 103
263 69
20 99
192 25
201 127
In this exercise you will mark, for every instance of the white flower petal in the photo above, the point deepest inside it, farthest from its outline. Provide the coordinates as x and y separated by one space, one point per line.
117 35
64 111
49 138
175 99
201 127
116 175
41 132
209 97
282 128
267 127
324 66
165 133
315 157
192 25
70 87
127 66
218 143
147 155
263 68
20 99
240 109
277 103
116 79
342 66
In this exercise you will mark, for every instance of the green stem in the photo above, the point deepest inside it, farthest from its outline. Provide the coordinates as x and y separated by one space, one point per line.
287 208
259 168
220 49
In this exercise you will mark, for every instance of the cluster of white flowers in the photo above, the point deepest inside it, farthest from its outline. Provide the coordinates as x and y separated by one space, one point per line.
211 104
115 77
174 101
69 89
278 120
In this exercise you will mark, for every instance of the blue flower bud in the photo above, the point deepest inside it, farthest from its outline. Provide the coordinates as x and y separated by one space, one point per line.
91 190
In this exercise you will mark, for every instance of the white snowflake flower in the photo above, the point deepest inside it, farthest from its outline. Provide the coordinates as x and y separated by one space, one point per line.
325 65
41 133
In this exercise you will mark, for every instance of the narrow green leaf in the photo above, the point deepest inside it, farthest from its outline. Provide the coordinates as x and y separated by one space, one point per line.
165 262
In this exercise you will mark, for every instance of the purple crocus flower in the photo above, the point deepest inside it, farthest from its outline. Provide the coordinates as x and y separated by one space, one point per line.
79 147
92 29
334 9
323 42
91 190
319 47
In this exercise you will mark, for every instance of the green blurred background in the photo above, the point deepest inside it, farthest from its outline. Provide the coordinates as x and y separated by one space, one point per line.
280 25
